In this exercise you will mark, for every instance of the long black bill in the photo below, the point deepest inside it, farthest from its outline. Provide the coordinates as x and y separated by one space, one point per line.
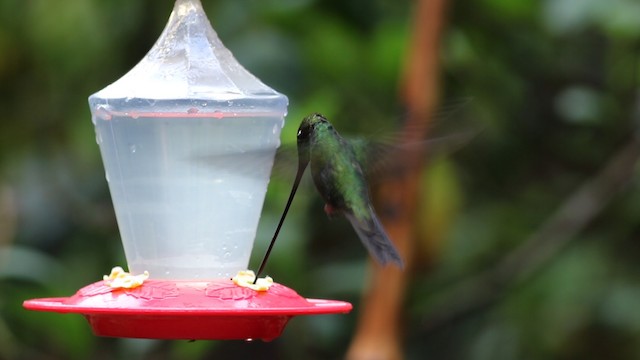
301 168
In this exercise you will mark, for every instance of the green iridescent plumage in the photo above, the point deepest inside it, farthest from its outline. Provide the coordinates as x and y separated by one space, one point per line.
336 169
340 179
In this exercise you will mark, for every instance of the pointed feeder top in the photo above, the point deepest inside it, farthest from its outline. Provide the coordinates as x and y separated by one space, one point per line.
189 61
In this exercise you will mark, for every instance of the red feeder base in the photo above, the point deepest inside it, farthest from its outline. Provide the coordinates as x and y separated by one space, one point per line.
192 310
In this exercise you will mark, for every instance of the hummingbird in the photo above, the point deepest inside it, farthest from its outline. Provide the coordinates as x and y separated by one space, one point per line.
337 172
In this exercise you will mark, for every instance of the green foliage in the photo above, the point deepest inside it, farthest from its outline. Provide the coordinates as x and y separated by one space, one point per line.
553 86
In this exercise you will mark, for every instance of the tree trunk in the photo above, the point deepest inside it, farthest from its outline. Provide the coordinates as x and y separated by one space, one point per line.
379 330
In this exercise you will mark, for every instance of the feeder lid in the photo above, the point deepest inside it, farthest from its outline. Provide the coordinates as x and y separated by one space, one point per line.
189 61
167 309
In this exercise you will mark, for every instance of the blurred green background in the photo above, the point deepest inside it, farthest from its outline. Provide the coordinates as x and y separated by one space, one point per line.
553 84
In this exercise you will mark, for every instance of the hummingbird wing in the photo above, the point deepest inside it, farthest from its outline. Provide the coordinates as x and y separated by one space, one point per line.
378 154
380 157
374 238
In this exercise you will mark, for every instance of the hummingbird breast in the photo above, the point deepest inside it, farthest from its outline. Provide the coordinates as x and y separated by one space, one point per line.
337 174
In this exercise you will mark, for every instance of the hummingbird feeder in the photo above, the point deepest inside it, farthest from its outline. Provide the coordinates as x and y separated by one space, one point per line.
188 138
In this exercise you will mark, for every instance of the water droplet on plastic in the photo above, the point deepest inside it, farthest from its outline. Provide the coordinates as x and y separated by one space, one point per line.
248 339
218 114
134 115
192 111
227 255
133 148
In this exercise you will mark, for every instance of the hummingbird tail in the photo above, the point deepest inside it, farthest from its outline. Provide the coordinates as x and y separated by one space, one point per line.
375 239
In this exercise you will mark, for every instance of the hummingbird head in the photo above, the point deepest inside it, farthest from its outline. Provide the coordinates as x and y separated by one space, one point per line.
305 132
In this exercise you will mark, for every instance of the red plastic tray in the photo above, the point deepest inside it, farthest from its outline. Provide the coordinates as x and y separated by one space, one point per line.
193 310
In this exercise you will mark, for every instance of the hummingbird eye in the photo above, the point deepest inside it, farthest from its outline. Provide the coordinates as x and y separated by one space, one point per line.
303 132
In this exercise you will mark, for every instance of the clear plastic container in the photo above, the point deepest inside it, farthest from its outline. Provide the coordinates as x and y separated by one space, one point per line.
188 138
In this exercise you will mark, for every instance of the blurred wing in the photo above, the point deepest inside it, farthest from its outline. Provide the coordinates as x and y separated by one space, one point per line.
285 164
446 134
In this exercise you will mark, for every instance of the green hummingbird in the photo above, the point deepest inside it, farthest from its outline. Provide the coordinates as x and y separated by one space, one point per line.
337 172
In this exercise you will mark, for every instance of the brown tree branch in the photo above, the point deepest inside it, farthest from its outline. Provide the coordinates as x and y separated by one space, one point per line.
378 334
